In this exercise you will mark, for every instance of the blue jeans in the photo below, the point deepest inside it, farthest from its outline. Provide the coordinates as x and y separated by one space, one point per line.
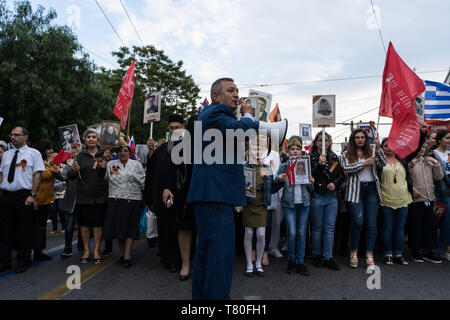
296 220
324 208
393 232
365 210
444 237
68 235
214 254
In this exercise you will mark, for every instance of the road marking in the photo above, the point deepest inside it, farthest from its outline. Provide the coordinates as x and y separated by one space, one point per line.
61 291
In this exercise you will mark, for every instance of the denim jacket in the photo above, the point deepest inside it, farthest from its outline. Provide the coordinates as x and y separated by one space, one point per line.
287 199
270 186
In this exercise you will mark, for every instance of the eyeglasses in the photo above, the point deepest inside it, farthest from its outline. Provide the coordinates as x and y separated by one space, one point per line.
15 135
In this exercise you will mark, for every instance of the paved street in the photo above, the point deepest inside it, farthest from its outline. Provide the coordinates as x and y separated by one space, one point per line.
148 280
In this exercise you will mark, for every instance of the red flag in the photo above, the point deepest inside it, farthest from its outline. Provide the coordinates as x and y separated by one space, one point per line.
401 86
275 115
125 97
61 157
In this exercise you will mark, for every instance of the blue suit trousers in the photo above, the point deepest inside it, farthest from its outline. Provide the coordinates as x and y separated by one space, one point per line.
214 255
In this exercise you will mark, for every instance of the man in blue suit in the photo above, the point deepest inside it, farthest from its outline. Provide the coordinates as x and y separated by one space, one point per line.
214 190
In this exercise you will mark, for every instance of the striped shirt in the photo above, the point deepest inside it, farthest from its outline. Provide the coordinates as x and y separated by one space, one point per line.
352 192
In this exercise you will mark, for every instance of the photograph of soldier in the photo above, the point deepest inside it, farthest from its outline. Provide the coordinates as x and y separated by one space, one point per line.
70 138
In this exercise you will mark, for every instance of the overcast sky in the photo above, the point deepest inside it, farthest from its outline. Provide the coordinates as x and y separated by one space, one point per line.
276 42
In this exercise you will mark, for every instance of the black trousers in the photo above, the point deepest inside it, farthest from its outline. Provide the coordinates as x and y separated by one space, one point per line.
169 249
421 226
40 217
15 226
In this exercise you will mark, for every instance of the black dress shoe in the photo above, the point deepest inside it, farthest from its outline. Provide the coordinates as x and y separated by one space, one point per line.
151 242
42 257
249 273
127 263
184 277
260 272
120 261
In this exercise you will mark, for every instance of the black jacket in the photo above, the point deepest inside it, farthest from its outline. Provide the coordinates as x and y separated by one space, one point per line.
321 172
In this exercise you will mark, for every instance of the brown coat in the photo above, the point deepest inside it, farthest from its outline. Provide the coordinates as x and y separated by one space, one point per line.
423 175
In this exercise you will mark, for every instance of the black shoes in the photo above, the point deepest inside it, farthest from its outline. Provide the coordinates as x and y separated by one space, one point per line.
127 263
432 256
301 269
318 261
417 256
260 272
184 277
291 267
42 257
331 264
67 253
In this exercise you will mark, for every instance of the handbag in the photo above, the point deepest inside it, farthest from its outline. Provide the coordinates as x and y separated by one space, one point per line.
438 210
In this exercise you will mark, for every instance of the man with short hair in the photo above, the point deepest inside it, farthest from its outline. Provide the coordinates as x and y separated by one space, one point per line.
214 190
69 142
324 107
20 176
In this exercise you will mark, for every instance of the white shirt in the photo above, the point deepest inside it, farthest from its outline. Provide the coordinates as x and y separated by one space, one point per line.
298 194
366 174
275 158
444 159
23 178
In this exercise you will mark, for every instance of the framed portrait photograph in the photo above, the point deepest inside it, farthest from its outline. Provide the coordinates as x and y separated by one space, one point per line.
152 107
419 103
142 152
324 111
305 131
302 170
97 127
260 105
268 97
109 135
250 182
70 138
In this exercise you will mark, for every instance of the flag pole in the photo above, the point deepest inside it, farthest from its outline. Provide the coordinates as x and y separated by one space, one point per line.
151 130
128 125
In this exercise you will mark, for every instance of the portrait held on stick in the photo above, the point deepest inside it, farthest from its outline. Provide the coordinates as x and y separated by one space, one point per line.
324 111
152 107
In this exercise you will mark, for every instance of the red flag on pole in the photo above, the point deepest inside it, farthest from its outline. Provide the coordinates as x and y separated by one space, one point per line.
401 86
125 97
61 157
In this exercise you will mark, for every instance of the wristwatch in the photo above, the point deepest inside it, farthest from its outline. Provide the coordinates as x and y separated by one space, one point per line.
33 195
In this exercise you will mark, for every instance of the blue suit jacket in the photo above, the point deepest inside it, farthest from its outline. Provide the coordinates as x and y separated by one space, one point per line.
223 183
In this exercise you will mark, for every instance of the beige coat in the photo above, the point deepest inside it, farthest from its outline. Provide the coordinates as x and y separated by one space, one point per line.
423 175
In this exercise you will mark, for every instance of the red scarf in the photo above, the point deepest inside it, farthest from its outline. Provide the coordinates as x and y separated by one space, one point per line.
290 172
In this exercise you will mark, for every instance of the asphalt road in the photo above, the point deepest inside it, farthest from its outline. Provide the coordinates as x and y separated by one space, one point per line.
148 280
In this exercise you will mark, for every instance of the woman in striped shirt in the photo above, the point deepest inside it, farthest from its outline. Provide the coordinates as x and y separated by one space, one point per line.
363 191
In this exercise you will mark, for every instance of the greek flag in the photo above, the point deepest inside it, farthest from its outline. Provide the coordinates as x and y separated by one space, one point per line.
437 100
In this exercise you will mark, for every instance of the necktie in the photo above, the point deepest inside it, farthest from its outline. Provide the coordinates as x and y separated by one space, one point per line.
12 168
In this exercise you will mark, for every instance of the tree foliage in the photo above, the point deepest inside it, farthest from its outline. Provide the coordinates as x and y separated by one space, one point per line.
47 81
155 71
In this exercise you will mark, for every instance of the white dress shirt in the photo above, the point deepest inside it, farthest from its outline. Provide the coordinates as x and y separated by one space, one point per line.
23 178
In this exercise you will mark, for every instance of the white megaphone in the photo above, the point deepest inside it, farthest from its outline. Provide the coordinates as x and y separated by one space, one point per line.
275 130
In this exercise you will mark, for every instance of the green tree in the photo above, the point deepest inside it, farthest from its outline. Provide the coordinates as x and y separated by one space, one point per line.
155 71
46 81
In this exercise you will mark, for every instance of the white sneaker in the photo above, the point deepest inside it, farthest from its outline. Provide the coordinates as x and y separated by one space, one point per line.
275 252
445 255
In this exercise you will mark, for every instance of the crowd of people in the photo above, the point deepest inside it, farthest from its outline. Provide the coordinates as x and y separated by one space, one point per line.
362 201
